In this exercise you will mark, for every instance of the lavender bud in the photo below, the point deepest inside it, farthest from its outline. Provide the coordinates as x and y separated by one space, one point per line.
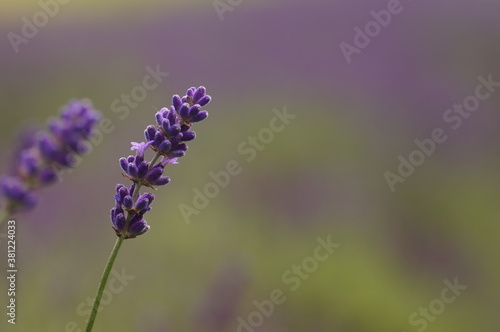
204 100
48 176
150 133
159 118
188 136
176 140
154 174
128 202
124 164
174 131
190 92
198 94
181 147
177 154
142 204
122 193
138 228
159 138
149 196
200 117
161 181
176 102
165 146
119 222
142 170
184 111
194 110
165 125
132 170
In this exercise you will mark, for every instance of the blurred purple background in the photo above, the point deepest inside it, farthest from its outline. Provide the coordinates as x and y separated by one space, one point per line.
323 175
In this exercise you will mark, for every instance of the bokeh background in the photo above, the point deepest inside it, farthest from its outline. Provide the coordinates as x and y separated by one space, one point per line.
320 177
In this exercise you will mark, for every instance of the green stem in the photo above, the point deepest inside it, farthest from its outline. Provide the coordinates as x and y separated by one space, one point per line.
4 216
155 159
102 285
112 258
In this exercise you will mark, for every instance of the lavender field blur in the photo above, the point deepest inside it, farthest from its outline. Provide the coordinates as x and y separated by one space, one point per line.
345 179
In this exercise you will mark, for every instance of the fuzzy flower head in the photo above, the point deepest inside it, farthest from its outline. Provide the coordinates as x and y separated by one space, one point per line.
45 153
168 139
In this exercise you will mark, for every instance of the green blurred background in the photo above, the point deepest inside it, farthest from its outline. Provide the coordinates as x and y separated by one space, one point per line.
322 176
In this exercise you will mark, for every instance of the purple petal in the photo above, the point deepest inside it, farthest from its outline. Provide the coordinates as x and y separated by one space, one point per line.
154 174
142 204
176 102
119 222
181 147
142 170
190 92
150 133
141 148
162 181
128 202
199 93
204 100
188 136
132 170
174 131
159 118
165 146
194 110
200 117
139 228
176 154
165 161
184 111
124 164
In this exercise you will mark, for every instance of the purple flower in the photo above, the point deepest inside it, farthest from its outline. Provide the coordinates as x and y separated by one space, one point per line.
135 212
168 139
138 170
173 124
17 194
46 152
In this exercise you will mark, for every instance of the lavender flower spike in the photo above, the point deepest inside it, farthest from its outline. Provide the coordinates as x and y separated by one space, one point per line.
47 152
168 139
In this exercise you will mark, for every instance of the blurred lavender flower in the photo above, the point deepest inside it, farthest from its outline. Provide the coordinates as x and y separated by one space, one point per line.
16 191
168 139
43 154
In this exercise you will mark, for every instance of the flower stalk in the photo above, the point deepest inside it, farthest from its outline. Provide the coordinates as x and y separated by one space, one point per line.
4 216
168 140
102 284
